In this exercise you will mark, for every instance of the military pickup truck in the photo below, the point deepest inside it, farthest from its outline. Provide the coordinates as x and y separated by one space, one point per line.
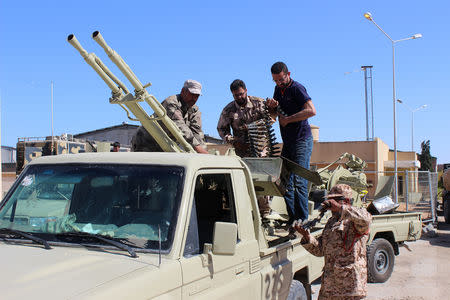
159 226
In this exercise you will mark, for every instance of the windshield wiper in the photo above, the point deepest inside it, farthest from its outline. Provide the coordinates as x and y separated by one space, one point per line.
25 235
108 240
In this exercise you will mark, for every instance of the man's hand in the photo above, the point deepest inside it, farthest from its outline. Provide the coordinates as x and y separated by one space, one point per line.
272 103
283 120
229 139
200 149
332 205
302 231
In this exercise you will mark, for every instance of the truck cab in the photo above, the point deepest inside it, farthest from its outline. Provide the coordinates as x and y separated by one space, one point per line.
142 225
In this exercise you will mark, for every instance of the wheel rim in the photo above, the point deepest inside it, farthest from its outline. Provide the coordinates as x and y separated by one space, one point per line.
381 262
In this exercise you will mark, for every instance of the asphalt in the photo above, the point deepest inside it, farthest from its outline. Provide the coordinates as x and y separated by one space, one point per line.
422 274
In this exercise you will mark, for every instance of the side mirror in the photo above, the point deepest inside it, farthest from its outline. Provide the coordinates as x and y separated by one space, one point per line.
225 237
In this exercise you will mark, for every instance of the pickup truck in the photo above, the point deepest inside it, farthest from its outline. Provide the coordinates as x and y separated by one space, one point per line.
159 226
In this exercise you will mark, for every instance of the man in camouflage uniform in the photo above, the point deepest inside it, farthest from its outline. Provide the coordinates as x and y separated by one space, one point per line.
343 244
182 110
236 116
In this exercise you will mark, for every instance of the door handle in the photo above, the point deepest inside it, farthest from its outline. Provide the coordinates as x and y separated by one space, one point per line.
239 270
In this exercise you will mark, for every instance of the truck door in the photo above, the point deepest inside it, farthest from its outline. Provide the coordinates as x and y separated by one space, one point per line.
212 276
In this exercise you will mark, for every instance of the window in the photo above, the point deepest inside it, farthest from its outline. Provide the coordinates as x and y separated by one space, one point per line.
213 202
138 203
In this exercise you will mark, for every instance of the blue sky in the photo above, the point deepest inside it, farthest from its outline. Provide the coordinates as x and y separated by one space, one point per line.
215 42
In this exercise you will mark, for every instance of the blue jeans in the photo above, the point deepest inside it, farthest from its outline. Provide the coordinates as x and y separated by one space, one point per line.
296 196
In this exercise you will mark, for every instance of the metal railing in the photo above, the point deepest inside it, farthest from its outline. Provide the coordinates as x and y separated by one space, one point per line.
417 192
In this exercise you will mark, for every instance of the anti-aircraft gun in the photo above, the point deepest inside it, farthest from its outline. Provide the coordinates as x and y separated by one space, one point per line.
351 173
130 102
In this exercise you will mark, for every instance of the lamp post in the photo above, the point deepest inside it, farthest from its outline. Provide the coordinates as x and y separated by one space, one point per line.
368 16
412 119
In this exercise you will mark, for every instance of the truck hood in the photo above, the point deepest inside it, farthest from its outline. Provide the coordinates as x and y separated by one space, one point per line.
31 272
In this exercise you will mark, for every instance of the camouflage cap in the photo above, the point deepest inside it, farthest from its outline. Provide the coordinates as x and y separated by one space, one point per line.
341 189
193 86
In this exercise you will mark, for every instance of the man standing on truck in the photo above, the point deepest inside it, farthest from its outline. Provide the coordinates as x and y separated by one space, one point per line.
236 116
294 107
182 110
343 244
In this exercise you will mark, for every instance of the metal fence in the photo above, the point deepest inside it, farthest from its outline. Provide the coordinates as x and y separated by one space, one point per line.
417 192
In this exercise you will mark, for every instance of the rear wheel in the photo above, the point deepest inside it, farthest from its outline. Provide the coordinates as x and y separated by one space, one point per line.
297 291
380 260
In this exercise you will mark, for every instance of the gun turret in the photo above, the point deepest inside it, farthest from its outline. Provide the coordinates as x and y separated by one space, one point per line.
128 101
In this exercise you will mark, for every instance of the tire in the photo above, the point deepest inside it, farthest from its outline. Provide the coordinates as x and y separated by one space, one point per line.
380 261
297 291
446 201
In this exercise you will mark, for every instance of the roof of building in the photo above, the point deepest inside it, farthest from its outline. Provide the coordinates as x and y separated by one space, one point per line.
123 125
133 126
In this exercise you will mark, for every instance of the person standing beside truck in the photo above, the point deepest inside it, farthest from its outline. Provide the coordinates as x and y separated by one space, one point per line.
235 116
295 107
343 245
181 109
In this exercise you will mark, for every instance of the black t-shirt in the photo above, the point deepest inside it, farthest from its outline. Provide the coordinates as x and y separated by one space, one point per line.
292 100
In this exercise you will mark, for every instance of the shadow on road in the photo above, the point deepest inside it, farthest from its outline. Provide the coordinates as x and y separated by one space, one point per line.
442 238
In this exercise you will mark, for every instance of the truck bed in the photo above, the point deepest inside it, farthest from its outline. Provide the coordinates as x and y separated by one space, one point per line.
405 226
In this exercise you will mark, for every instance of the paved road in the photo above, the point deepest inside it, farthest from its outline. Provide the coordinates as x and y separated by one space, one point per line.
421 274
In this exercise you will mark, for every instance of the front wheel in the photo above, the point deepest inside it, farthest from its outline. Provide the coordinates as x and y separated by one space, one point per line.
380 260
297 291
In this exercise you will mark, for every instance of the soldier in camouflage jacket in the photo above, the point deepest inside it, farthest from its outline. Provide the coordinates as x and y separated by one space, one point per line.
182 110
237 115
343 245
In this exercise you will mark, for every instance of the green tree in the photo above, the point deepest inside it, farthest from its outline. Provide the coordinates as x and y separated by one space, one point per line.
425 157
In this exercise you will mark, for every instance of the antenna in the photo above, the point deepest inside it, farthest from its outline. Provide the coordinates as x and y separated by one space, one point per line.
159 240
51 84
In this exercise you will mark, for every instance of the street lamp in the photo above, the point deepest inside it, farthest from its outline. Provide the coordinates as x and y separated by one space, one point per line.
412 119
368 16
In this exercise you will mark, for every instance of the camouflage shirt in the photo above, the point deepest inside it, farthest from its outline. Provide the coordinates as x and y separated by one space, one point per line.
235 117
343 244
188 119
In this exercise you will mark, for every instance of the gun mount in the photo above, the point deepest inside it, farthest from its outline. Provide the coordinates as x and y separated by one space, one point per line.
351 173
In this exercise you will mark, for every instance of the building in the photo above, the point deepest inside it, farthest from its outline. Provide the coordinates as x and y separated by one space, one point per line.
8 154
8 168
123 134
119 133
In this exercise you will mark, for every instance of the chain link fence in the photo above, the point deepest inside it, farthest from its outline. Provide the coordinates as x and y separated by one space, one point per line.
417 191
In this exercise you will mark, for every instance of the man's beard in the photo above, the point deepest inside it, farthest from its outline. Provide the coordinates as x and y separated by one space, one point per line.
284 85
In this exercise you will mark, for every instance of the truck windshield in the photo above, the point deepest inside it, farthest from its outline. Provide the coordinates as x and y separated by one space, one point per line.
129 202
